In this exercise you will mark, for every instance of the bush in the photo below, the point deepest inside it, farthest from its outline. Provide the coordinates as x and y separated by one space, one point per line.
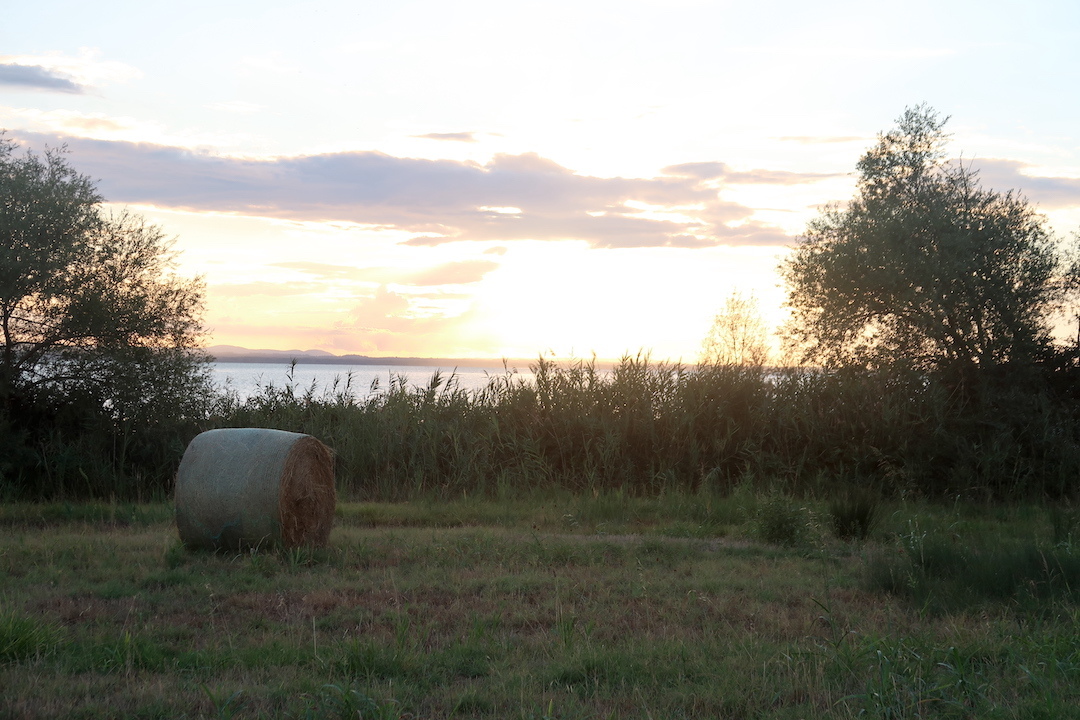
938 574
854 513
1064 522
781 520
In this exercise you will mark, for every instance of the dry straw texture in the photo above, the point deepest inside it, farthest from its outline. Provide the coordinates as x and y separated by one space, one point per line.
251 487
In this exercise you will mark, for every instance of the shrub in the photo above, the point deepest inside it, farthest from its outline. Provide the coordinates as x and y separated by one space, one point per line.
938 574
854 513
781 520
1064 519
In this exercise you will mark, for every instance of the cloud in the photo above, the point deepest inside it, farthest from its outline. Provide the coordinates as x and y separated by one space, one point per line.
1047 192
467 137
385 308
323 271
462 272
777 177
339 339
699 170
387 323
439 201
35 77
822 139
272 289
756 234
93 123
83 71
720 171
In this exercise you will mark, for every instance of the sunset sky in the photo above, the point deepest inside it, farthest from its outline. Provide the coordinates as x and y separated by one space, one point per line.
504 179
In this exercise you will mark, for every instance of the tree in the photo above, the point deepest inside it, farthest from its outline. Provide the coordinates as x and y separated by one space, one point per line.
90 306
738 335
923 266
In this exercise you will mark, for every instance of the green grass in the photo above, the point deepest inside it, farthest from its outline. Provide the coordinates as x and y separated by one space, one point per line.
554 606
91 513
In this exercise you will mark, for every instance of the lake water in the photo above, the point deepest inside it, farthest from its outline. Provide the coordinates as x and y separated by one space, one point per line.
247 378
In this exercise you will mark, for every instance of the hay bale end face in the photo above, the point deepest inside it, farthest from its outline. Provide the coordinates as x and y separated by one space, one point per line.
240 488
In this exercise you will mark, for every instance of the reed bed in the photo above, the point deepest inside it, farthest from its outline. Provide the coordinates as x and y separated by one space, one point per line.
646 428
641 427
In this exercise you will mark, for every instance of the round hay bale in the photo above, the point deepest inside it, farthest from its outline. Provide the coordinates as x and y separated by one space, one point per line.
251 487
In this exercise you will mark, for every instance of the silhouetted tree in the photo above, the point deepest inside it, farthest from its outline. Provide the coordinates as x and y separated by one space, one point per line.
98 331
924 266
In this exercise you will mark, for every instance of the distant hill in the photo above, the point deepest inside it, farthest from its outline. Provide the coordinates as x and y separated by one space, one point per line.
226 353
235 354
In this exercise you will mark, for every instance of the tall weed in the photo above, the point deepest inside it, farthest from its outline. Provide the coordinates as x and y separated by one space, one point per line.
645 428
642 428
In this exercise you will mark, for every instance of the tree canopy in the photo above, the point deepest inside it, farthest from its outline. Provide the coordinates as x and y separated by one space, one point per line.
96 326
923 265
74 278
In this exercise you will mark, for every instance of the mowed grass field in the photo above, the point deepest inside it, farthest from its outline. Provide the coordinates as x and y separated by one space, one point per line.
561 607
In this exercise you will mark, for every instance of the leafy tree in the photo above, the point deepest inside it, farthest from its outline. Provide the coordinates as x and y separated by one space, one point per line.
924 265
738 335
99 332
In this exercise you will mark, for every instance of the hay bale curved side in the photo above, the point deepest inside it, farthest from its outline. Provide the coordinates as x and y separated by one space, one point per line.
253 487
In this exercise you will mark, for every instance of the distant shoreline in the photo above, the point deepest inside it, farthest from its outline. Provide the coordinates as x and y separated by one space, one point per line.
236 354
365 360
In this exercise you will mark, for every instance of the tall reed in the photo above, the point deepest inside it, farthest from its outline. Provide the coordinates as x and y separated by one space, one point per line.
647 427
638 428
